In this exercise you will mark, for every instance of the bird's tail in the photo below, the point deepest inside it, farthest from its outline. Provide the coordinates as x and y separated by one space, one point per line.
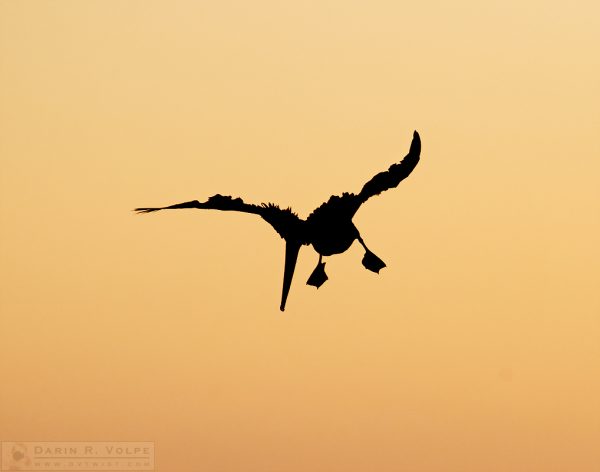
292 248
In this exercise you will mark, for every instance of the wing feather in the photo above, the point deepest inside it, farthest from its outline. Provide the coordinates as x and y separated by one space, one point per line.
395 174
340 208
287 223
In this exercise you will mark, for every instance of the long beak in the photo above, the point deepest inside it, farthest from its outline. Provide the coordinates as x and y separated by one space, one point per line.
292 249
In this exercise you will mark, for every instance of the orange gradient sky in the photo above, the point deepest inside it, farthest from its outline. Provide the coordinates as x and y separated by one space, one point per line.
476 349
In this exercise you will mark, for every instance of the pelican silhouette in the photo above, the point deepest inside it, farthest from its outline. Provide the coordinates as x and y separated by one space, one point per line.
329 228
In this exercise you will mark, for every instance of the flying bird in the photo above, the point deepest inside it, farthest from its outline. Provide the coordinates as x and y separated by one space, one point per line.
329 228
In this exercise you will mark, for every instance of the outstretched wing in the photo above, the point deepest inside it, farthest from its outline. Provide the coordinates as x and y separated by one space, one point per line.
340 208
216 202
287 224
395 174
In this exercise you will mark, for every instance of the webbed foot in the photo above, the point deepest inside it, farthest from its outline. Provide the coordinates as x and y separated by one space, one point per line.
372 262
318 277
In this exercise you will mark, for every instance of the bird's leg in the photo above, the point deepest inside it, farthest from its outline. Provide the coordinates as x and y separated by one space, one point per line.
318 277
370 260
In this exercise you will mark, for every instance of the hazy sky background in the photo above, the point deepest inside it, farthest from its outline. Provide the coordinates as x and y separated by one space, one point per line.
476 349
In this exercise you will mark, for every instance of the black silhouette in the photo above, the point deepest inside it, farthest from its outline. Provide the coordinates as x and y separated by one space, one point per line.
329 228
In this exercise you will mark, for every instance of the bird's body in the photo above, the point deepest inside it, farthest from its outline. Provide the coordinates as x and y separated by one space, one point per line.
335 239
332 237
329 228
